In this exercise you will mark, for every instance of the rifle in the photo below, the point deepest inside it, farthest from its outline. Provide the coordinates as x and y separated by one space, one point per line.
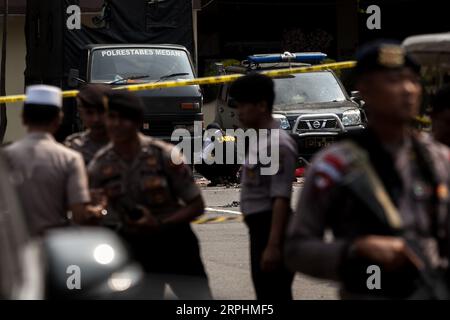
366 186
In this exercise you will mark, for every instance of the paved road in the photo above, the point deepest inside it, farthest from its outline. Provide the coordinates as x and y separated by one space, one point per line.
226 255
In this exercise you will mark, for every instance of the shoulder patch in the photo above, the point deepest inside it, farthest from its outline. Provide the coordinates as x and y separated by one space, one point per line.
331 165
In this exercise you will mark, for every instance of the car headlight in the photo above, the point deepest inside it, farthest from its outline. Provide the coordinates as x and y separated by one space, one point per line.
284 123
351 118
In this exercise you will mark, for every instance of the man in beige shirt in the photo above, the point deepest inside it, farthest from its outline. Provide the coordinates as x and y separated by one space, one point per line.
51 178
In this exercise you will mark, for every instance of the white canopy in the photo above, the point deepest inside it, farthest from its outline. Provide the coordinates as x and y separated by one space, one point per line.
430 49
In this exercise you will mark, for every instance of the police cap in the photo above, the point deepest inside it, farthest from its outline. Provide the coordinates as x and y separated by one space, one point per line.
91 96
127 104
383 55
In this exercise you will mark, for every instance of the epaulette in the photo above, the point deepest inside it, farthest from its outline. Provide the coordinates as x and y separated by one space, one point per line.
171 152
72 139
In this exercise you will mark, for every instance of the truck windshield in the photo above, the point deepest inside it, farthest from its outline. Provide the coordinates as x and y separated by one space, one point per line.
109 65
314 87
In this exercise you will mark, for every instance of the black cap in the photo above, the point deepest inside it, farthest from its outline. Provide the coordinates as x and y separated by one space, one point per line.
91 96
127 104
252 88
213 125
383 55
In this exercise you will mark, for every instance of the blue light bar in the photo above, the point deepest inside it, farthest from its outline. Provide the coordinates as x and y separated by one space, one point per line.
308 57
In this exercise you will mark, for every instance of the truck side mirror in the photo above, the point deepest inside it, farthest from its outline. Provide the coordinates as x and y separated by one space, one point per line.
356 97
74 78
220 68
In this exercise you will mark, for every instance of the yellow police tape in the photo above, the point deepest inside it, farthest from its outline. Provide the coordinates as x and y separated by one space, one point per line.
201 81
423 120
232 77
206 220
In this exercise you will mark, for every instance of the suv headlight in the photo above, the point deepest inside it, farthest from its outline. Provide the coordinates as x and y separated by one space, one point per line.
351 118
284 123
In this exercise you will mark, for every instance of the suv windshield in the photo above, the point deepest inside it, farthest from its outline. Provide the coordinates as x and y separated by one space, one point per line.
116 64
314 87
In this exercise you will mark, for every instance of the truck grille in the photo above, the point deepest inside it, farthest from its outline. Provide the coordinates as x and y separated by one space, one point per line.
159 128
308 125
164 125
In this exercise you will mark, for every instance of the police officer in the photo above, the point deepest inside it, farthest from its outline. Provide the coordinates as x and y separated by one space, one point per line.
51 178
440 115
92 114
154 194
383 194
211 168
266 194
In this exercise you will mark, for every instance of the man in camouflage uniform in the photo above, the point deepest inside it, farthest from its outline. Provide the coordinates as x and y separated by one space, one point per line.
92 114
155 198
383 194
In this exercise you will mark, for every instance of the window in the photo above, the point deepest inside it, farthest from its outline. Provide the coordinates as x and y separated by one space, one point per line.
116 63
304 88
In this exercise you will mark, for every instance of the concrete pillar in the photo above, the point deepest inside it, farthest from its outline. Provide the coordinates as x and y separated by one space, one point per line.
196 7
15 79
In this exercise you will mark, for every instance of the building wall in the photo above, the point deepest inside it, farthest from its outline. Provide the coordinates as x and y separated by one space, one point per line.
15 68
15 79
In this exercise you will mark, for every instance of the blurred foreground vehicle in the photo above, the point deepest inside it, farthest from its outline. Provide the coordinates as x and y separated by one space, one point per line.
69 263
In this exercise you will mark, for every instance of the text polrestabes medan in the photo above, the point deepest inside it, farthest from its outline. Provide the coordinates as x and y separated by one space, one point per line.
141 52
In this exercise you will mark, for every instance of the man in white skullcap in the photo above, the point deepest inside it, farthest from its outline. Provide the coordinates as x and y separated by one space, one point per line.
51 178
